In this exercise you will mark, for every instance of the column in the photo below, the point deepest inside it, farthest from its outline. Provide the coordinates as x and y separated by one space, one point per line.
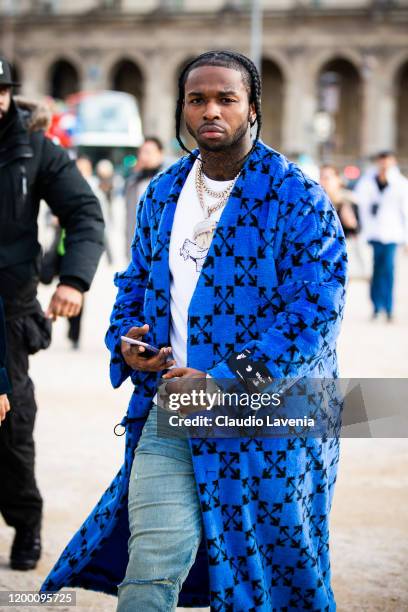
300 106
33 73
378 111
160 100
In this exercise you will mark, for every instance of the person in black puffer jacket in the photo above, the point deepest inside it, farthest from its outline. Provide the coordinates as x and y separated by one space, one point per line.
33 168
4 380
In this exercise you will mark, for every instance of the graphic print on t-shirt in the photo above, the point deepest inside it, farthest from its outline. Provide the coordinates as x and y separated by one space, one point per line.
191 250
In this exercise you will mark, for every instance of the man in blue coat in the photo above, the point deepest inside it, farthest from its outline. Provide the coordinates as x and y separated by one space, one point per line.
236 256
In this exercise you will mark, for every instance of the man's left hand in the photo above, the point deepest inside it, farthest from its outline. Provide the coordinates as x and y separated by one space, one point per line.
184 372
184 381
66 302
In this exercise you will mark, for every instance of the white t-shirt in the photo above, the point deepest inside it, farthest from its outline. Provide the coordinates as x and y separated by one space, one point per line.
186 258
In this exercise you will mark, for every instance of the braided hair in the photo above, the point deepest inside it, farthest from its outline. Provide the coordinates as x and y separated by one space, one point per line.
224 59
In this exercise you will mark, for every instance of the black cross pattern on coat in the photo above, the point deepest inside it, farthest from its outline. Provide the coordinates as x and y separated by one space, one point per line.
223 300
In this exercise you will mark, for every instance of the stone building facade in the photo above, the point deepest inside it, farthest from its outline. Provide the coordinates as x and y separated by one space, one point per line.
335 72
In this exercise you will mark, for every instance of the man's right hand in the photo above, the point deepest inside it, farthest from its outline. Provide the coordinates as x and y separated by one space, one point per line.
133 354
4 407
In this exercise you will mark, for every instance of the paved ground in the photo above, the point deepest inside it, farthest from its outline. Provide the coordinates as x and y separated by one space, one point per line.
78 453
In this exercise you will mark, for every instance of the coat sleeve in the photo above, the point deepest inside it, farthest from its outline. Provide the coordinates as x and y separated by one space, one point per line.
307 303
128 310
71 199
4 381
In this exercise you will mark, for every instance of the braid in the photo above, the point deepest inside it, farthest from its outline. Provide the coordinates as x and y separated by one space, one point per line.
225 59
180 101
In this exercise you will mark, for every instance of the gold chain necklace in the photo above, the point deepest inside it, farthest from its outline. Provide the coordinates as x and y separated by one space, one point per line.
203 231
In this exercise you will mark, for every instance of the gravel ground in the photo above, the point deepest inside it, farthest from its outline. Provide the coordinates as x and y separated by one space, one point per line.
78 410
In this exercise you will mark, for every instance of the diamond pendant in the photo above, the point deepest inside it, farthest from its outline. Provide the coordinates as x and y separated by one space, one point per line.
203 233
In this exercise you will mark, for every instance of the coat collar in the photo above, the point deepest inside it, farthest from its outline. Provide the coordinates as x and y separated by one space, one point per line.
247 184
262 159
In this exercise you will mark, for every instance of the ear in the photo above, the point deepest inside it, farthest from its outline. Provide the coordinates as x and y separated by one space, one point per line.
252 114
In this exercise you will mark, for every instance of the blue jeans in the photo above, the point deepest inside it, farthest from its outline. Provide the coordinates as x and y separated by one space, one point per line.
165 522
382 282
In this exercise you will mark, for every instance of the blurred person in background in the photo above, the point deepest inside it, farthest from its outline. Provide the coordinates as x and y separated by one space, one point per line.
346 206
382 195
33 168
50 268
105 174
4 379
149 162
84 165
52 258
342 199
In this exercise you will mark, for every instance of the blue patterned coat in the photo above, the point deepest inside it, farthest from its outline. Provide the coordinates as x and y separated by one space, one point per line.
273 282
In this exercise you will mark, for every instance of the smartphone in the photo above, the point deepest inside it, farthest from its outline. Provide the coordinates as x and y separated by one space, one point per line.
150 351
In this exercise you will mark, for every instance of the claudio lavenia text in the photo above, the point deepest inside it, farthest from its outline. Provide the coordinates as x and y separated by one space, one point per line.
249 421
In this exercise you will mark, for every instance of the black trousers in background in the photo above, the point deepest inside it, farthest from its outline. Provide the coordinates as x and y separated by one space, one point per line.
74 327
20 500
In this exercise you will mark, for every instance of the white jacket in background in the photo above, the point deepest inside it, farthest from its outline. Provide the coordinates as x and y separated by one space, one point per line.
390 224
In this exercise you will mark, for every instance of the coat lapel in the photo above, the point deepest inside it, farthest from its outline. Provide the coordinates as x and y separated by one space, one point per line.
255 186
160 270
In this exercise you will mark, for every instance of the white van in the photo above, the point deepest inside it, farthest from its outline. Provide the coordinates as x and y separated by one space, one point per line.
107 124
